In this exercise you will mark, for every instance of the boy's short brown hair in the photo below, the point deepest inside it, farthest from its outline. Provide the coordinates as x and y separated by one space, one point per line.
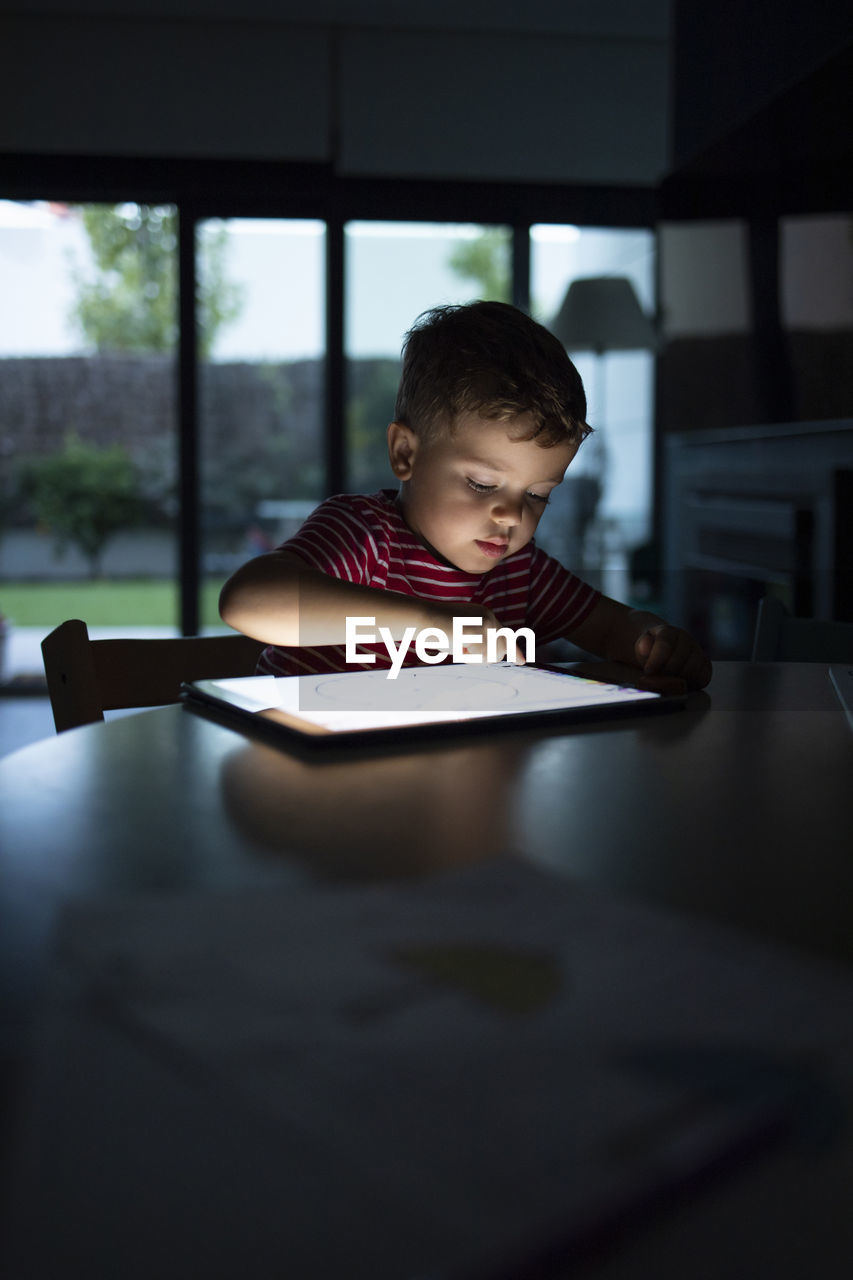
492 359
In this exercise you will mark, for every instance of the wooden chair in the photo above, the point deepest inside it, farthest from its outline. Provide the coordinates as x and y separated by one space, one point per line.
780 637
87 677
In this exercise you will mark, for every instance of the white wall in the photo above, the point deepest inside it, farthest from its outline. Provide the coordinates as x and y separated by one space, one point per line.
155 87
543 91
704 285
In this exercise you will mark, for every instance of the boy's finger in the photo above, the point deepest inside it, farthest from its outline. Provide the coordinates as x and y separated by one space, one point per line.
644 644
658 656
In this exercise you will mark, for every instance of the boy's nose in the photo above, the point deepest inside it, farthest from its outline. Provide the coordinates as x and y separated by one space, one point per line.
507 513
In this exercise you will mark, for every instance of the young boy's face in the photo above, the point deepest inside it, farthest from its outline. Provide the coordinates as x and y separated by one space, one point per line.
475 496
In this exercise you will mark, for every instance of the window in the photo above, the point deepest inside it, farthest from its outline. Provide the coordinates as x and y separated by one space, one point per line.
603 509
261 299
88 415
303 298
395 271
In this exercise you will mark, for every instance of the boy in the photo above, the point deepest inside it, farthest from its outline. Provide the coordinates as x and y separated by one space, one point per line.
490 412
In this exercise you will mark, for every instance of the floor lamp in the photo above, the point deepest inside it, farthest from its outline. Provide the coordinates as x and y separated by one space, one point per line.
601 314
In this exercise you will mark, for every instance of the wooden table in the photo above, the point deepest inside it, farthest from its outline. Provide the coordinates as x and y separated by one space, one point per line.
736 810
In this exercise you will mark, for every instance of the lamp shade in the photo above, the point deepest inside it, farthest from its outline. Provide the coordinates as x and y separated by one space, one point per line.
603 313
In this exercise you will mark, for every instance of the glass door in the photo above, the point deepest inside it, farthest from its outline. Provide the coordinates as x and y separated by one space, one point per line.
394 271
88 335
601 516
262 290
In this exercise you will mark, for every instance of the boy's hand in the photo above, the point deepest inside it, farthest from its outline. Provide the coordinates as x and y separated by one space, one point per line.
664 650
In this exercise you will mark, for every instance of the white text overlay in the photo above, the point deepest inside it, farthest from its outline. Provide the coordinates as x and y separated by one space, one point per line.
432 644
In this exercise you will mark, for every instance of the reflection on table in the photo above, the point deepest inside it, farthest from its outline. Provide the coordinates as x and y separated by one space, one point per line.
341 1009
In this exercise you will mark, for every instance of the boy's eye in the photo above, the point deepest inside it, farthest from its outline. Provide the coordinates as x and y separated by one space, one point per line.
476 485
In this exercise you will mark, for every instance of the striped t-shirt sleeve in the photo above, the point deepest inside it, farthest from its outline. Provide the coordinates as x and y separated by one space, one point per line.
557 600
339 539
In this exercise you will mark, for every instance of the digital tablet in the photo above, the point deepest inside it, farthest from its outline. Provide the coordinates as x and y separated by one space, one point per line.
368 705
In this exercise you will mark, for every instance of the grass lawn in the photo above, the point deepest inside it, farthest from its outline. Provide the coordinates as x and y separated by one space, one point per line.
101 604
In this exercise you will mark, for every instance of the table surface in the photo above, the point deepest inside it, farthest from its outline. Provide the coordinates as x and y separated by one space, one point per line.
737 809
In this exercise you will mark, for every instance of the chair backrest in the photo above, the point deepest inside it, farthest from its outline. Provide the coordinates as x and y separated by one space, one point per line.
779 637
87 677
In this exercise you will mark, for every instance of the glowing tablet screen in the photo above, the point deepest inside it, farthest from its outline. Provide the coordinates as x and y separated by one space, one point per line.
348 702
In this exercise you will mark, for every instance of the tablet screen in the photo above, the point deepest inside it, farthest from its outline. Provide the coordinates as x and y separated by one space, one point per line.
360 701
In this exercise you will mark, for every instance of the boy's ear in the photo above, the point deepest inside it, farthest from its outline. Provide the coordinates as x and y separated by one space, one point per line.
402 447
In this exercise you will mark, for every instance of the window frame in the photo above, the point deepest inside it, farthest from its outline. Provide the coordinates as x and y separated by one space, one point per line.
203 189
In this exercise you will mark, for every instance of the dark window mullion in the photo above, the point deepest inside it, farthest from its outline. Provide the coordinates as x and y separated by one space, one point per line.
335 386
188 468
521 266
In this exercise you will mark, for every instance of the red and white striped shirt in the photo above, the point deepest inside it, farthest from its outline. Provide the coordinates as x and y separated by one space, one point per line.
365 540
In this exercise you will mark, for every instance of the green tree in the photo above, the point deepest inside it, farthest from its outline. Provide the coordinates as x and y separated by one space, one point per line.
486 261
130 303
83 495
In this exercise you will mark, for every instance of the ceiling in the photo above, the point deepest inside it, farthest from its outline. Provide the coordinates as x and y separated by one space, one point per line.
617 19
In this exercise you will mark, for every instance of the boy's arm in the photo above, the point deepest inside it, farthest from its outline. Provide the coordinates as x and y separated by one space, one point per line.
642 640
279 599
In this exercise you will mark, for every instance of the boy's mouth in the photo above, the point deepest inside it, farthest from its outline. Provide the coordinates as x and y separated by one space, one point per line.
492 548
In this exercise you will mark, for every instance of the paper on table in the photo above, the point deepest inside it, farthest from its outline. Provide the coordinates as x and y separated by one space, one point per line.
488 1060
